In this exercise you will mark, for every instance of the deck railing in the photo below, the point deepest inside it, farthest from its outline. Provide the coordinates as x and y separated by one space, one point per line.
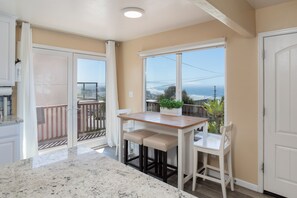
90 118
188 109
52 122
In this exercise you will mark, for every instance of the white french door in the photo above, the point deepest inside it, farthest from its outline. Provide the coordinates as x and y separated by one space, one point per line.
280 121
53 92
66 114
89 96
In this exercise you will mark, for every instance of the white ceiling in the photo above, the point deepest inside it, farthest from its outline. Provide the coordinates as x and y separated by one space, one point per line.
264 3
103 19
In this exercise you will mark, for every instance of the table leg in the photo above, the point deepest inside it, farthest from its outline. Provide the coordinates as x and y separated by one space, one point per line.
180 159
121 151
190 161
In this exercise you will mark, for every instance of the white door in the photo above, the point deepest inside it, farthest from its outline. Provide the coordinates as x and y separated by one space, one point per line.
280 122
53 92
89 95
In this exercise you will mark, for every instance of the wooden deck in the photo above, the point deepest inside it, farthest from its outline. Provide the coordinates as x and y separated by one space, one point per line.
53 122
63 141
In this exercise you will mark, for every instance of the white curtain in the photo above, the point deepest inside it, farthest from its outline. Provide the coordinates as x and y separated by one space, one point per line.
26 105
112 104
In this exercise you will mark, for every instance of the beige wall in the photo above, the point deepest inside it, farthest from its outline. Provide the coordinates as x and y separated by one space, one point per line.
241 56
64 40
277 17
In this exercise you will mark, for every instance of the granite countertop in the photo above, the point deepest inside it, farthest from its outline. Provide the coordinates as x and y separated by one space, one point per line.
9 120
79 172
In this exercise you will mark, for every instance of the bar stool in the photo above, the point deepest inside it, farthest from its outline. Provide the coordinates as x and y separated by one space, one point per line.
137 137
219 145
161 143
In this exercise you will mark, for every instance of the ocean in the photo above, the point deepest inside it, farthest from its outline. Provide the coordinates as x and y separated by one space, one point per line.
194 91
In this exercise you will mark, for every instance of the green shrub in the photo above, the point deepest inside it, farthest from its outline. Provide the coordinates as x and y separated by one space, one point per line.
215 111
171 104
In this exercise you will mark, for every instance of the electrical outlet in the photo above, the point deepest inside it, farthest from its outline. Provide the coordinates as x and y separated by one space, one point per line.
131 94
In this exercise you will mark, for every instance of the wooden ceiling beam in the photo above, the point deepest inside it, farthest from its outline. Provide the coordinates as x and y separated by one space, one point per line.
239 15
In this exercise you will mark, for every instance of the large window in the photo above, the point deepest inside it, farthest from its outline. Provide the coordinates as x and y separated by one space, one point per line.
160 80
200 74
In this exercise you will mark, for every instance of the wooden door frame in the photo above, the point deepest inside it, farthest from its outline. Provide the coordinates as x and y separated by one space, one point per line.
261 56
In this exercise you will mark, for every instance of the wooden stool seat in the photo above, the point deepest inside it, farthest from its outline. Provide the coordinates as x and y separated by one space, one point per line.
137 136
161 143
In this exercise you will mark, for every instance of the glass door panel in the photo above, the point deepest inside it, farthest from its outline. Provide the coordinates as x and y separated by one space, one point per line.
90 97
52 91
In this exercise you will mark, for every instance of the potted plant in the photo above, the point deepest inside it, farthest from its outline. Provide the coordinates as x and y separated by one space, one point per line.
171 107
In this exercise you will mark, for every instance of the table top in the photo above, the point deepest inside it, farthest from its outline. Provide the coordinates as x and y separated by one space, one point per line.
79 172
178 122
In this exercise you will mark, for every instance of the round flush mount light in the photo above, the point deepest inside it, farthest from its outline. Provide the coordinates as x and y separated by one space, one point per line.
133 12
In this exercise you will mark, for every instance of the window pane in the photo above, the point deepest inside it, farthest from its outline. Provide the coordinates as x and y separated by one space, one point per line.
90 79
203 82
160 79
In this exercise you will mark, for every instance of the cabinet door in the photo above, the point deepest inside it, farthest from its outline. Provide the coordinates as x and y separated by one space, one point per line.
9 143
7 51
8 149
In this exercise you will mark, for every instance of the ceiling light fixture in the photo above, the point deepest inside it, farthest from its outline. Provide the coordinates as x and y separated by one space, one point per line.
133 12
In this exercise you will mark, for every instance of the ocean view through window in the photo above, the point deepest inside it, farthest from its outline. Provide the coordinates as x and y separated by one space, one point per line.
202 82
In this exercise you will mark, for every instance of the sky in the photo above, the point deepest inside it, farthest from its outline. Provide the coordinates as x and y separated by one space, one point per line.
91 71
204 67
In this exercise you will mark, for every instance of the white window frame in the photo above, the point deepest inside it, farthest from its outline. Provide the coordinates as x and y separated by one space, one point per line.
178 50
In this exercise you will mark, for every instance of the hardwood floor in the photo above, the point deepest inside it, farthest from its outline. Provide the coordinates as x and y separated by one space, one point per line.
204 189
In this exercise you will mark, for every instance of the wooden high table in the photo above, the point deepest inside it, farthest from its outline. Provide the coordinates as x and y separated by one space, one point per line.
183 125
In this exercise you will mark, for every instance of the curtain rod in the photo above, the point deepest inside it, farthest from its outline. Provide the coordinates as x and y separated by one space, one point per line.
117 44
19 22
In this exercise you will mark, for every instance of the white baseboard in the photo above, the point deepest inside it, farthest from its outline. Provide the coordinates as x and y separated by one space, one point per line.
238 182
246 184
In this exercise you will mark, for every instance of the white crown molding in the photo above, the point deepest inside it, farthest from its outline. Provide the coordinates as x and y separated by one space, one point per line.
184 47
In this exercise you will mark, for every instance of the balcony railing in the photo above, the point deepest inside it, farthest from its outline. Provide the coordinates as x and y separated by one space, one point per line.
188 109
52 121
91 117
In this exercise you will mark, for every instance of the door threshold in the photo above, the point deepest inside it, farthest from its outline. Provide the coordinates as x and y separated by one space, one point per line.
273 194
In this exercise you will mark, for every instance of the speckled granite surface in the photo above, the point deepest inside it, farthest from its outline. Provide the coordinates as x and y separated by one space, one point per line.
9 120
79 172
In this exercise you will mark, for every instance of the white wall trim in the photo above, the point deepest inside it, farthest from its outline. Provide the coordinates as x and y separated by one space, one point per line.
49 47
237 181
144 84
261 104
260 114
184 47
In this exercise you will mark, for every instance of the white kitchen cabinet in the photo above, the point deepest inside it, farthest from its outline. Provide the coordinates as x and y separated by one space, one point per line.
7 50
10 143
